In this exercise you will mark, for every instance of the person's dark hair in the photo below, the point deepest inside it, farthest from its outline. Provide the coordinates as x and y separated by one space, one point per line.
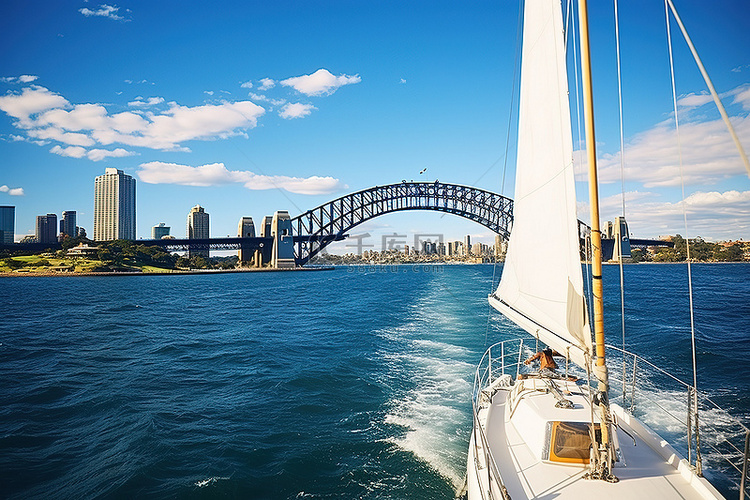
547 351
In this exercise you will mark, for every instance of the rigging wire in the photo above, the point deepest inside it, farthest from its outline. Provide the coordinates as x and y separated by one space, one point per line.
687 239
507 148
622 191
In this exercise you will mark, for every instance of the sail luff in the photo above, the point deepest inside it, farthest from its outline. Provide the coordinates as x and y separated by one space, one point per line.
541 288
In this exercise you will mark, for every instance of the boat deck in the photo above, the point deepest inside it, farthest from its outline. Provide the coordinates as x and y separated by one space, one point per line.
648 469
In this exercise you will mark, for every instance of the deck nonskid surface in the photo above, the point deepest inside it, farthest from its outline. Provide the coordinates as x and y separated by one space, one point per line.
643 473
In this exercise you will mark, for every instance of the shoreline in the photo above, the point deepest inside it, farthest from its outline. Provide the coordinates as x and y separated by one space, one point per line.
56 274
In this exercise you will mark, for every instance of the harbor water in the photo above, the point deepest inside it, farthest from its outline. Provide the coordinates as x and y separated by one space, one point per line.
342 384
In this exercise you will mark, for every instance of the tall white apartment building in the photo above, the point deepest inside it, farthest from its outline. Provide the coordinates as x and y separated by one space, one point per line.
197 228
114 206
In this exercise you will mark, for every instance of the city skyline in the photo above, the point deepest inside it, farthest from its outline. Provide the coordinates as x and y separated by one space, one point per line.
247 132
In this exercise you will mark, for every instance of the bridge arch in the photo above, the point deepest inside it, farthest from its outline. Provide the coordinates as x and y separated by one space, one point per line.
317 228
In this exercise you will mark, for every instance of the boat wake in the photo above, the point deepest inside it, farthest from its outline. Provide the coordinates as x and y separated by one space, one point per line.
430 376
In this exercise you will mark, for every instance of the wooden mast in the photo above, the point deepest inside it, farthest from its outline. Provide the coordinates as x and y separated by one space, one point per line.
600 370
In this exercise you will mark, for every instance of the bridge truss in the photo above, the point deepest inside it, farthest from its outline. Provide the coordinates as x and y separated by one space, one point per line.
317 228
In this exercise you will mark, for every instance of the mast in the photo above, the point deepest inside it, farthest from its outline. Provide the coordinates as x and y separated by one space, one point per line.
603 465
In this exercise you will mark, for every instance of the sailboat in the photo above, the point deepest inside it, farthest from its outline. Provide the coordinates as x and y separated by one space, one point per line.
544 434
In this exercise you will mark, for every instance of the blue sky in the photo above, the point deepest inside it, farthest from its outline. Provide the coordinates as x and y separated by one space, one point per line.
250 107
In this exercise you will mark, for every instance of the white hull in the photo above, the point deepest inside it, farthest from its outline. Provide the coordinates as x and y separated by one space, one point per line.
648 468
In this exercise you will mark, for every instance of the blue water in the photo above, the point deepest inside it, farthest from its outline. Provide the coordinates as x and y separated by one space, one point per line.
351 383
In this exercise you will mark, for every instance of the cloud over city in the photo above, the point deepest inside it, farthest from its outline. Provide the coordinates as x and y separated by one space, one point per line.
217 174
45 115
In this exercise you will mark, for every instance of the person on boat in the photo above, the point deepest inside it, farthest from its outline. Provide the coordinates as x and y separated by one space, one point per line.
547 365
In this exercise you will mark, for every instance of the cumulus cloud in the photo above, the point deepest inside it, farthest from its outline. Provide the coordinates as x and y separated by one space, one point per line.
93 155
266 83
140 103
45 115
11 191
717 215
217 174
652 157
322 82
247 85
694 100
18 79
70 151
263 98
104 10
296 110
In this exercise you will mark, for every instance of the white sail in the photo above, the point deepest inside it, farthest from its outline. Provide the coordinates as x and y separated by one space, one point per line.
542 285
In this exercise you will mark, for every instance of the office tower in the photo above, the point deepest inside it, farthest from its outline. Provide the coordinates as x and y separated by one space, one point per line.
7 224
245 229
197 228
46 228
467 244
159 231
68 224
114 206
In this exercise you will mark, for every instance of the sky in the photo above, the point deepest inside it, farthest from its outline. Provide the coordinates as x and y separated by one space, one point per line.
251 107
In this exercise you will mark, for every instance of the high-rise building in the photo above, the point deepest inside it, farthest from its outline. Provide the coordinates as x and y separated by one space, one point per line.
68 224
467 244
197 228
7 224
159 231
46 228
114 206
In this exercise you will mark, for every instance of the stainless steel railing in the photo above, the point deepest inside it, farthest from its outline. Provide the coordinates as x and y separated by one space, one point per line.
710 438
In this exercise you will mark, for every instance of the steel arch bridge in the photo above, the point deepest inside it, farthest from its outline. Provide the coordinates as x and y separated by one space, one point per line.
316 228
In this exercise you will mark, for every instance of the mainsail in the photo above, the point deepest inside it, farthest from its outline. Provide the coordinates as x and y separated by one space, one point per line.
541 288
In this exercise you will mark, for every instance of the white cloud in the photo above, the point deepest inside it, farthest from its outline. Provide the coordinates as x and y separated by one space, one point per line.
140 103
402 81
322 82
216 174
20 79
209 92
247 85
70 151
296 110
101 154
11 191
30 101
266 83
713 215
652 157
48 116
263 98
742 96
104 10
694 100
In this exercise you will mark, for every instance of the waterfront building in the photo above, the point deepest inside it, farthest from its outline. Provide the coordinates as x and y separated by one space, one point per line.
7 224
245 229
198 228
46 228
159 231
467 244
68 224
114 206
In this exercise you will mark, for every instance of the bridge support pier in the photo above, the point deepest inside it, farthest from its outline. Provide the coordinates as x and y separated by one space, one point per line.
282 256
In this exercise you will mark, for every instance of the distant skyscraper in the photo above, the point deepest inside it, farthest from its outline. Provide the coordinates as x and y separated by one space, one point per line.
46 228
197 228
7 224
114 206
159 231
467 244
68 224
